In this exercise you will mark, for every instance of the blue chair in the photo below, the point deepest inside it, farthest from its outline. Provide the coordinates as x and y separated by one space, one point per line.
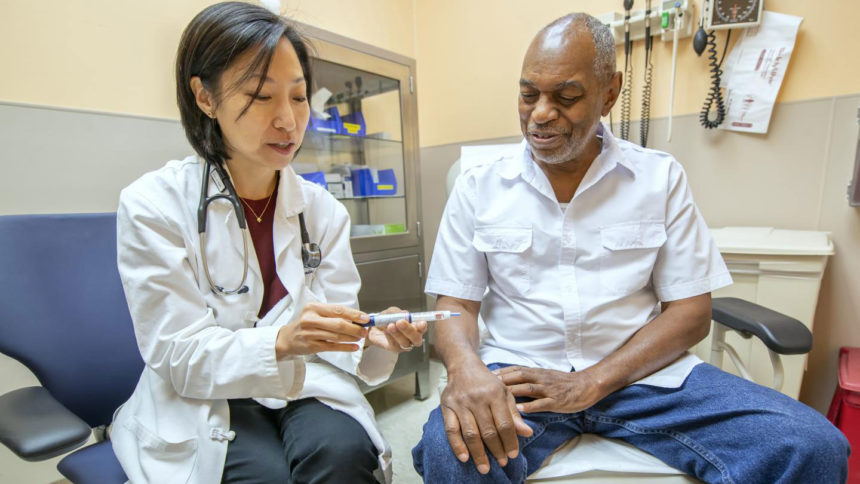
63 315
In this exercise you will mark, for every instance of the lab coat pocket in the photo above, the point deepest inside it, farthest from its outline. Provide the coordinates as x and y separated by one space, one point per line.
508 256
163 461
629 254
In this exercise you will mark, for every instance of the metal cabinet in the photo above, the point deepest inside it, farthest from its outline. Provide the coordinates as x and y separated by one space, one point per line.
362 144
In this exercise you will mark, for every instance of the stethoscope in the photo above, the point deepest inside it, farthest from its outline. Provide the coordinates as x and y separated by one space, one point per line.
311 253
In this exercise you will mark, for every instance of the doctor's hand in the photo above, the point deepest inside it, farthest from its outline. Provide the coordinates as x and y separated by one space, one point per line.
552 390
398 337
321 327
479 410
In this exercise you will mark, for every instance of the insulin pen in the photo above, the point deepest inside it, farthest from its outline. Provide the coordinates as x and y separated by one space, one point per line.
380 319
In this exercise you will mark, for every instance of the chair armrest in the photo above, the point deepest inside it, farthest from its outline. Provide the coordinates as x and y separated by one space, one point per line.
36 427
782 334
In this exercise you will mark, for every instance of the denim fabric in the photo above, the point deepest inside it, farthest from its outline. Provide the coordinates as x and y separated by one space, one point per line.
717 427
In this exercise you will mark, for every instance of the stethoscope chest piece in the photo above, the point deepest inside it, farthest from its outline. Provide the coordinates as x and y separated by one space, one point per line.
311 256
311 253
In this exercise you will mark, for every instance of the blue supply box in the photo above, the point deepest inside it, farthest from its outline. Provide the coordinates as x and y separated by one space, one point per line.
332 125
317 177
351 124
368 182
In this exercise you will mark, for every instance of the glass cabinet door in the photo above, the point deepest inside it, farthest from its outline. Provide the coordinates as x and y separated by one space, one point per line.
355 144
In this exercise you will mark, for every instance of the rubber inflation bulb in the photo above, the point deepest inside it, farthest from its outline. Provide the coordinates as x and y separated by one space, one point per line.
700 41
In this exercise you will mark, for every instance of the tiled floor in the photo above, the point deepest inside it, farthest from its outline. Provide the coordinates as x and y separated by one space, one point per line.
401 418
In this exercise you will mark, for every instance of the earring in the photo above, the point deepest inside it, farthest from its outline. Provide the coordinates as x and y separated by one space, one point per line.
211 114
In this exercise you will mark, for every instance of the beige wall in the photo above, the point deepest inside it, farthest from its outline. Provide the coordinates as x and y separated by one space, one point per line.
470 52
117 55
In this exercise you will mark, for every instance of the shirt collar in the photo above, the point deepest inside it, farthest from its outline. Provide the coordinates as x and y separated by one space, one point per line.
611 151
515 162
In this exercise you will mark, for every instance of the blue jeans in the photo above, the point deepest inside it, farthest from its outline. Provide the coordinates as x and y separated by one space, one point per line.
716 427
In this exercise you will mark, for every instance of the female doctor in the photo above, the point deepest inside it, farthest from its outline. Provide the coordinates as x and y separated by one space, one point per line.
246 375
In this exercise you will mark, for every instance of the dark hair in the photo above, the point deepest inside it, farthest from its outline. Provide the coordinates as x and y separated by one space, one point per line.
215 38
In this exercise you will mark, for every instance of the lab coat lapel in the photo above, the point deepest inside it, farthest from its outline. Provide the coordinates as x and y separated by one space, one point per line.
287 239
223 230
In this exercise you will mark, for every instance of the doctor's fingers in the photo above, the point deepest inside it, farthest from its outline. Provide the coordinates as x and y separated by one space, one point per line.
338 311
320 346
305 342
335 325
407 334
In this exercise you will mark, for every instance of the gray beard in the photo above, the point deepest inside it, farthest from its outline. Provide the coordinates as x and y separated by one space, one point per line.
571 152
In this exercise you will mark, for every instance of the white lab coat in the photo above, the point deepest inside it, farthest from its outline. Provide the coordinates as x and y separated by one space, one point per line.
200 348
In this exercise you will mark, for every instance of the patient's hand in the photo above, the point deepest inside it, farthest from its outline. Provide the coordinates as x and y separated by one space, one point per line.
553 391
478 409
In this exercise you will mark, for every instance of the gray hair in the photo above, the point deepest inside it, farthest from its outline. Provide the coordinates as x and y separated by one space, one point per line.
604 42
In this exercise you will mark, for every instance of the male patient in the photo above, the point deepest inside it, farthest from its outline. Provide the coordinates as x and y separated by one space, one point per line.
599 270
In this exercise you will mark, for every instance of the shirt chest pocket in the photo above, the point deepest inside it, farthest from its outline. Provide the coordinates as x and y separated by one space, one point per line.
628 255
508 254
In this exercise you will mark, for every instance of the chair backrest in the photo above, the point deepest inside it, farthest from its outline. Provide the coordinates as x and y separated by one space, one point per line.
63 312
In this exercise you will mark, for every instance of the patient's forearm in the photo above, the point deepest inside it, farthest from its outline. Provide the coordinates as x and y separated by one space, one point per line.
457 339
681 325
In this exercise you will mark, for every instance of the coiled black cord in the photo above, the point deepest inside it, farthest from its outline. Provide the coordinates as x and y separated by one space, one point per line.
715 95
628 73
645 118
645 121
625 103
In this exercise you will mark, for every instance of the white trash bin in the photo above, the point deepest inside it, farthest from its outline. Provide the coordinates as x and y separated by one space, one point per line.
778 269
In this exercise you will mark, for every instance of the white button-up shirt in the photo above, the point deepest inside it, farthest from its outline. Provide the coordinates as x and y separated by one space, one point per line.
563 288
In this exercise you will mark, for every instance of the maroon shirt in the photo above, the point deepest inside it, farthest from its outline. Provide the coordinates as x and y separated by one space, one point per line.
262 237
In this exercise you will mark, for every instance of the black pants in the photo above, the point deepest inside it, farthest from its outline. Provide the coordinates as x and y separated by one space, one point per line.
306 442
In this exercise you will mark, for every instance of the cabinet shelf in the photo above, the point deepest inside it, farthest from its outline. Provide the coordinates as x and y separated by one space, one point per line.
342 143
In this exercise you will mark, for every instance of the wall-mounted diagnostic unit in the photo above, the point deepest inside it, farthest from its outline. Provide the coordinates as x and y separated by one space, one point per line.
732 14
671 20
721 15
